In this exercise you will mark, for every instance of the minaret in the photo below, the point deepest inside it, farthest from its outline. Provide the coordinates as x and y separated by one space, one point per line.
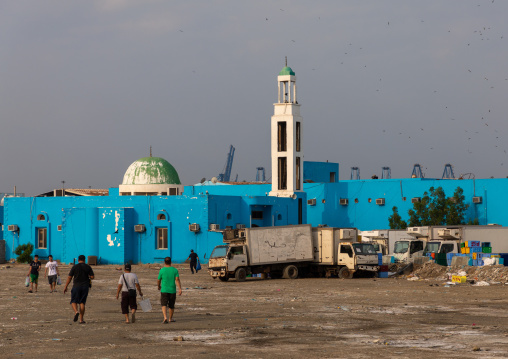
287 155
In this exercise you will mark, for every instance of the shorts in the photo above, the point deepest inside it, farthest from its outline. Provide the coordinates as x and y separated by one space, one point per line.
34 278
128 301
79 294
168 300
52 278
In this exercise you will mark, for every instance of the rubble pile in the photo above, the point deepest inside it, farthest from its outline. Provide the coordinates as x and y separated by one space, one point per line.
490 274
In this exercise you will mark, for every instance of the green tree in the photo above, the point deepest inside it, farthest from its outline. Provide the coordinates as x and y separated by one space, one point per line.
395 220
435 209
456 208
24 253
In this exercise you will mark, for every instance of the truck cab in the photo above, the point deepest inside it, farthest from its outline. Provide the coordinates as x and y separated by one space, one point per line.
441 247
406 250
225 259
356 257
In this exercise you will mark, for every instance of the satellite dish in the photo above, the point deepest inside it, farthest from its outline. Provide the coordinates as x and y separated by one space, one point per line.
214 180
202 180
293 196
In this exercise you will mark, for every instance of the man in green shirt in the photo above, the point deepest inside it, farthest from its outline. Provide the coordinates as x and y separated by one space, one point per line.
166 282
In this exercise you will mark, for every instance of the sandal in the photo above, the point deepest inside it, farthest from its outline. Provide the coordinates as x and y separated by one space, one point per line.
76 316
165 321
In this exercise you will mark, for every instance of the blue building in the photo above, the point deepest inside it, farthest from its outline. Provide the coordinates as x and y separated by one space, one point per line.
151 215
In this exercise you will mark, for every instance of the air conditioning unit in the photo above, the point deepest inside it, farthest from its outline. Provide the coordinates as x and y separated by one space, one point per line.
240 226
214 227
347 234
59 227
448 233
477 200
344 201
416 199
380 201
241 234
12 227
229 227
194 227
139 228
311 202
418 231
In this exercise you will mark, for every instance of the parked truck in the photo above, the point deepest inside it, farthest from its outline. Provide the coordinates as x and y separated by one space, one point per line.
287 251
383 239
337 252
280 251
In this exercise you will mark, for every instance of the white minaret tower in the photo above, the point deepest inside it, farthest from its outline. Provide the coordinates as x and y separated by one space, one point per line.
287 155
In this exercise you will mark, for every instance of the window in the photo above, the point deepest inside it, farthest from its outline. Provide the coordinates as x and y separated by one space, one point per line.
161 217
282 173
346 249
416 246
332 177
173 191
162 238
298 185
298 137
257 214
41 217
282 136
446 248
229 216
42 239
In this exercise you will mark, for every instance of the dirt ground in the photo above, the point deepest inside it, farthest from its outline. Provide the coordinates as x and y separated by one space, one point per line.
302 318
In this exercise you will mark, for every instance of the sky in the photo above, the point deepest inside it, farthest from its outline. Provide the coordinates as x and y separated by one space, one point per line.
86 87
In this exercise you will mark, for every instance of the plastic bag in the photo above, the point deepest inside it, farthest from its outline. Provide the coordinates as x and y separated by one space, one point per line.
145 304
58 281
27 281
198 266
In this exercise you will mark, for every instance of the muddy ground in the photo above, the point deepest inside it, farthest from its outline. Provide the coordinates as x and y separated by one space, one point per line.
302 318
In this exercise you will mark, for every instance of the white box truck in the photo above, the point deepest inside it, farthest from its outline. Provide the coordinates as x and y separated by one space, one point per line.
280 251
337 252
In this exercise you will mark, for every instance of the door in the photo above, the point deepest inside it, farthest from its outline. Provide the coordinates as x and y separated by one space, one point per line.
236 258
345 256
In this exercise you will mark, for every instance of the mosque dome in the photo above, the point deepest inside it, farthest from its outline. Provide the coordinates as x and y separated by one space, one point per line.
151 170
286 71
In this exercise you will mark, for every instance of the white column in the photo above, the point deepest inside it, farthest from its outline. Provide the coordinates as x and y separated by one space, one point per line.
294 85
278 85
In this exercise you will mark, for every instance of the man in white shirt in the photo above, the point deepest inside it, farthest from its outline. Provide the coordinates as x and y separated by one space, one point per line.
52 272
127 285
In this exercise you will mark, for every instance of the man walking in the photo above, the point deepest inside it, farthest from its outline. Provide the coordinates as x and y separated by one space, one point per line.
82 274
52 267
33 272
127 285
193 261
168 277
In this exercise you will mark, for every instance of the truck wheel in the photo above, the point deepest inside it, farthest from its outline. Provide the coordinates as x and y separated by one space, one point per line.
240 275
345 273
224 279
290 272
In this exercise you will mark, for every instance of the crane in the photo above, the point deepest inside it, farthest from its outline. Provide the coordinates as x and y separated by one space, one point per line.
226 172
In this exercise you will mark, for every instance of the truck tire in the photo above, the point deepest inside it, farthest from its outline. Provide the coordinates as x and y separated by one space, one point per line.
345 273
224 279
240 275
290 272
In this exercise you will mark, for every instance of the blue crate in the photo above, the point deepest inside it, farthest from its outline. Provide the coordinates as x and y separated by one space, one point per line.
382 274
380 259
486 244
501 261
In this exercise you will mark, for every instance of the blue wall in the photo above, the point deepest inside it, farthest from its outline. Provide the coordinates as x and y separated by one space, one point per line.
320 171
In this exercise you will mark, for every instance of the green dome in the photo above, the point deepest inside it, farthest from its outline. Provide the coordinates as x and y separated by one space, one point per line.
151 170
286 71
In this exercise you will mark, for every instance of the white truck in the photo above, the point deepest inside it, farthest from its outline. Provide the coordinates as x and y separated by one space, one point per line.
279 251
336 252
383 239
287 251
405 250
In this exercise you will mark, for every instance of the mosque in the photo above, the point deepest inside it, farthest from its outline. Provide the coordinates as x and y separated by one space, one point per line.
151 215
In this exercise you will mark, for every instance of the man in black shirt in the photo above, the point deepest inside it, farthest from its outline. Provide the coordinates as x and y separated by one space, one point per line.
35 267
82 274
193 261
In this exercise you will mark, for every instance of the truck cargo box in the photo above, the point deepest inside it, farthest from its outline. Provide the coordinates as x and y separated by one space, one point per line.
326 243
267 245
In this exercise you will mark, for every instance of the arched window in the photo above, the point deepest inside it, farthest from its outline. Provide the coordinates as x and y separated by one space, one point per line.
161 217
41 217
